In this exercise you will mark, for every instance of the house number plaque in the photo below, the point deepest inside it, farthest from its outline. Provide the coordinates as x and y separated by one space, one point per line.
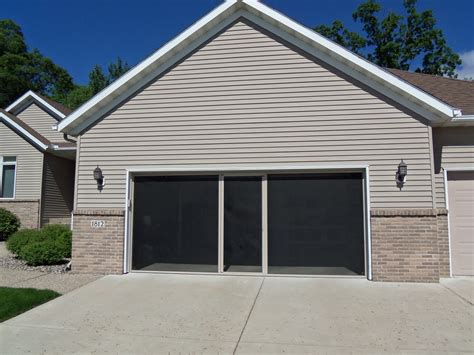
97 224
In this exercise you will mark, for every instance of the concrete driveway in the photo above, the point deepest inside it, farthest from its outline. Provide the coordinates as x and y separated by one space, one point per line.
144 313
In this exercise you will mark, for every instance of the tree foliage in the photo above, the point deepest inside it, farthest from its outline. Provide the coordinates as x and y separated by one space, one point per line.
397 41
22 69
98 80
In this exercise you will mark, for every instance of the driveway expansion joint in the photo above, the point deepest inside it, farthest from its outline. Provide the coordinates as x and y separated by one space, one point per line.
248 316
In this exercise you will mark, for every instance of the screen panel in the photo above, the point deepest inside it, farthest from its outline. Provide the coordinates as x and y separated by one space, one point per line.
243 224
316 224
175 223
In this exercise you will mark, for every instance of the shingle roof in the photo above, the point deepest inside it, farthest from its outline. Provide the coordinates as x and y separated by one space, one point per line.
55 104
34 133
27 128
455 92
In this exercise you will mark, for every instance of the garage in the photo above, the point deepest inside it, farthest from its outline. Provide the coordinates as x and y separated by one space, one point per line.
272 223
461 221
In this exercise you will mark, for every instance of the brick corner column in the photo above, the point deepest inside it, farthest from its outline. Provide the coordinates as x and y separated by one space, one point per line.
405 245
443 242
98 241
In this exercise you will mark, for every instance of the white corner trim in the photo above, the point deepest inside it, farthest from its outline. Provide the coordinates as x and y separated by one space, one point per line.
28 96
368 226
127 238
24 132
102 101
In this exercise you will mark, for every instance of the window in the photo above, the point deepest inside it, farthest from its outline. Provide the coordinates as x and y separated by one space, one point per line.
7 176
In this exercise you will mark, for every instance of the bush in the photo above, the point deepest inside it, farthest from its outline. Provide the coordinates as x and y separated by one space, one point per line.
50 245
9 223
21 238
61 235
47 252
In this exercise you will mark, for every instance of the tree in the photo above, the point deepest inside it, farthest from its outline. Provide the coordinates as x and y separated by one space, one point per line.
98 80
22 70
397 41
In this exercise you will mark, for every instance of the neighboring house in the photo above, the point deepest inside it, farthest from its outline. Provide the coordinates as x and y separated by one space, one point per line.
37 162
250 143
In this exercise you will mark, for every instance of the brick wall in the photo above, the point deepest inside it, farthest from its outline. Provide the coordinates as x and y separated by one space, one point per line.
409 245
26 210
443 243
98 250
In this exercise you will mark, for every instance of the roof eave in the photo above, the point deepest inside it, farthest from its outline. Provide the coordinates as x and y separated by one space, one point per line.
20 130
432 108
29 97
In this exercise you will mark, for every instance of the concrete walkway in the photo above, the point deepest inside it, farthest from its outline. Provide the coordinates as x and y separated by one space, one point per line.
145 313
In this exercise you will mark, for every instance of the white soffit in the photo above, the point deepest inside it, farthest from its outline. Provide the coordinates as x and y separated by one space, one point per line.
359 68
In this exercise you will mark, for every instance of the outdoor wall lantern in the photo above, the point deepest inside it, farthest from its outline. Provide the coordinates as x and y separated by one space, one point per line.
401 175
99 177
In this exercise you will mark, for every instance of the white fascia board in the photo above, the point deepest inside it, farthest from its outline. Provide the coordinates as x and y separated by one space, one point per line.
168 49
58 148
361 69
24 132
353 59
464 120
31 96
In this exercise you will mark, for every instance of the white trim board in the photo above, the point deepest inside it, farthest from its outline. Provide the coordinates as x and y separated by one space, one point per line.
222 170
30 97
381 80
32 139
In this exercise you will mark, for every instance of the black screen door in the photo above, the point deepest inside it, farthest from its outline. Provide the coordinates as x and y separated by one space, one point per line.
243 224
175 223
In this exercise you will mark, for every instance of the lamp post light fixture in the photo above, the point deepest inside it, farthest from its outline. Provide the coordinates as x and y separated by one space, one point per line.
401 175
99 177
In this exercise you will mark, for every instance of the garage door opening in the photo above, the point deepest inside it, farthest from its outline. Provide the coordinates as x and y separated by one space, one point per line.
316 224
175 223
300 223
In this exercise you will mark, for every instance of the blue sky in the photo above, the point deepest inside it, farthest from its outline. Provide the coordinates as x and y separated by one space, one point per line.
77 34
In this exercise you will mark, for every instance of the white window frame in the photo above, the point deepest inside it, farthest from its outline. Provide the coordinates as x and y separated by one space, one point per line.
9 163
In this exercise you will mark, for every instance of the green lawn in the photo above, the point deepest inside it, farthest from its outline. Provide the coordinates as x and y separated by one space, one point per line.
14 301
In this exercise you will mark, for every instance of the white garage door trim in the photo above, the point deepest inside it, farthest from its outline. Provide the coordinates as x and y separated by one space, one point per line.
446 198
219 169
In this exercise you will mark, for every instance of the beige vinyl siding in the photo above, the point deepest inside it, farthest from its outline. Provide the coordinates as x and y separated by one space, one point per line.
247 99
453 148
29 163
41 121
58 189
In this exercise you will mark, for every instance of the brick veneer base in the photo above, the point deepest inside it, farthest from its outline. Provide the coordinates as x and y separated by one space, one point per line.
409 245
98 250
26 210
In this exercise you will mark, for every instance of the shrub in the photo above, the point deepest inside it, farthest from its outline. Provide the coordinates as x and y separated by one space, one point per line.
42 253
21 238
9 223
60 235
